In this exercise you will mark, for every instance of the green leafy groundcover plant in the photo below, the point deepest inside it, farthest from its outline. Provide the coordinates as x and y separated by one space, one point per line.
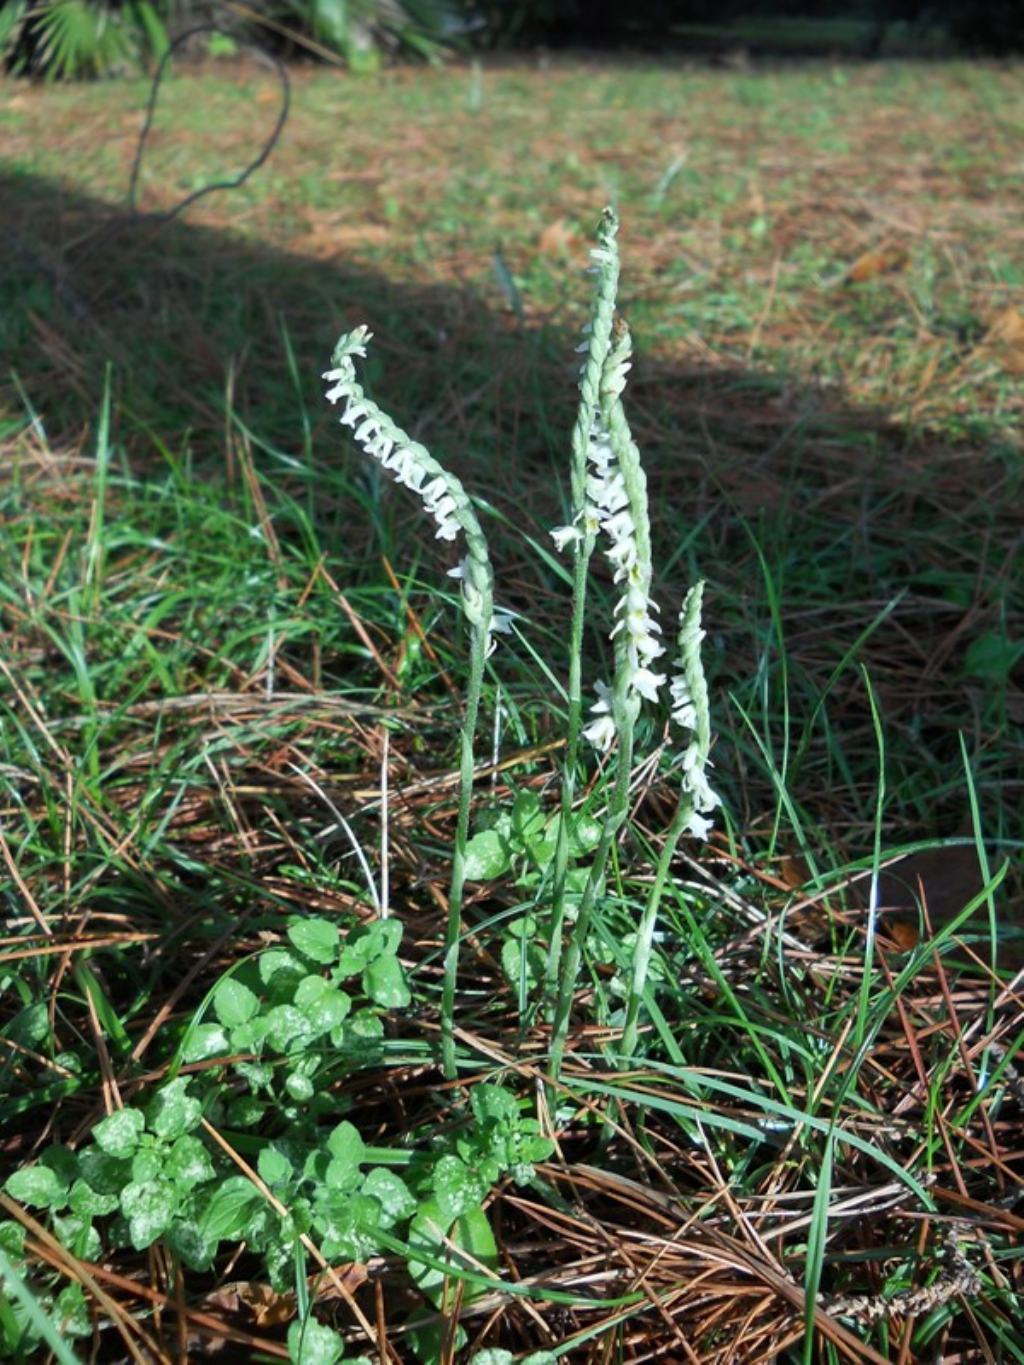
298 1015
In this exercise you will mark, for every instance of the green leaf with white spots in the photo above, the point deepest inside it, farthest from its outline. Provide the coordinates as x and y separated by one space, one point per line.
234 1003
38 1187
119 1134
392 1193
173 1111
317 939
149 1208
384 982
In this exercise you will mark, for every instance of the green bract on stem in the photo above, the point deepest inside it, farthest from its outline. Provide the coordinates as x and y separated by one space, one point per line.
595 346
446 500
690 712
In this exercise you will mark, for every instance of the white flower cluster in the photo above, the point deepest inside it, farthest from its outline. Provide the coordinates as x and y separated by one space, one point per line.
608 509
690 711
413 466
405 461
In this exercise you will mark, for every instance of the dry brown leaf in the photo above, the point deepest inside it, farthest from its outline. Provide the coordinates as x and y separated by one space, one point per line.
880 260
268 1307
793 871
556 239
902 933
1005 340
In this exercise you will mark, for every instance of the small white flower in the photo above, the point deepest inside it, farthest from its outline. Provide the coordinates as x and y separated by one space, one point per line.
684 712
699 825
622 556
619 526
600 732
647 683
565 535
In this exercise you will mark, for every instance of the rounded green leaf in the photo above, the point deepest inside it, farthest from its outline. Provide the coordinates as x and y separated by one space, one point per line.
118 1135
274 1166
148 1162
439 1238
278 965
185 1238
346 1147
487 857
104 1173
287 1028
317 939
494 1102
457 1187
228 1211
384 982
368 942
323 1004
310 1343
234 1003
38 1187
12 1239
299 1086
30 1026
71 1312
88 1203
205 1040
189 1163
172 1110
149 1207
392 1193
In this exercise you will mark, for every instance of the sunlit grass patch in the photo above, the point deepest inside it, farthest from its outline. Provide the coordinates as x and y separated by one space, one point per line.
231 688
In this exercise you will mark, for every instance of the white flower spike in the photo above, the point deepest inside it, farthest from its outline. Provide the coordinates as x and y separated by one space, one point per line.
413 466
691 711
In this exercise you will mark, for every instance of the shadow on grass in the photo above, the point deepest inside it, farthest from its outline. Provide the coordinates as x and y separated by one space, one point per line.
892 552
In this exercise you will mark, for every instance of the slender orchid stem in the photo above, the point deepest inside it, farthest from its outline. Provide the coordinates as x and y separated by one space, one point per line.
606 264
625 709
453 927
690 711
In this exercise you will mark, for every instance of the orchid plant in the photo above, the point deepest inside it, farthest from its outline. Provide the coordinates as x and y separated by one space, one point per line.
610 508
447 502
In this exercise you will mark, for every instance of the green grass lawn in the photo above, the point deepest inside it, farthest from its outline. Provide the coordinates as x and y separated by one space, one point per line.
219 626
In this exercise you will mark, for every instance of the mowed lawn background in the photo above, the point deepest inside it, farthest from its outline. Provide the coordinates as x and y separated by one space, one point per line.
823 269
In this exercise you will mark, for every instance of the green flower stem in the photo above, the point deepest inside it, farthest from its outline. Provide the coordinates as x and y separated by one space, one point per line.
625 709
690 712
453 927
645 934
601 320
569 767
